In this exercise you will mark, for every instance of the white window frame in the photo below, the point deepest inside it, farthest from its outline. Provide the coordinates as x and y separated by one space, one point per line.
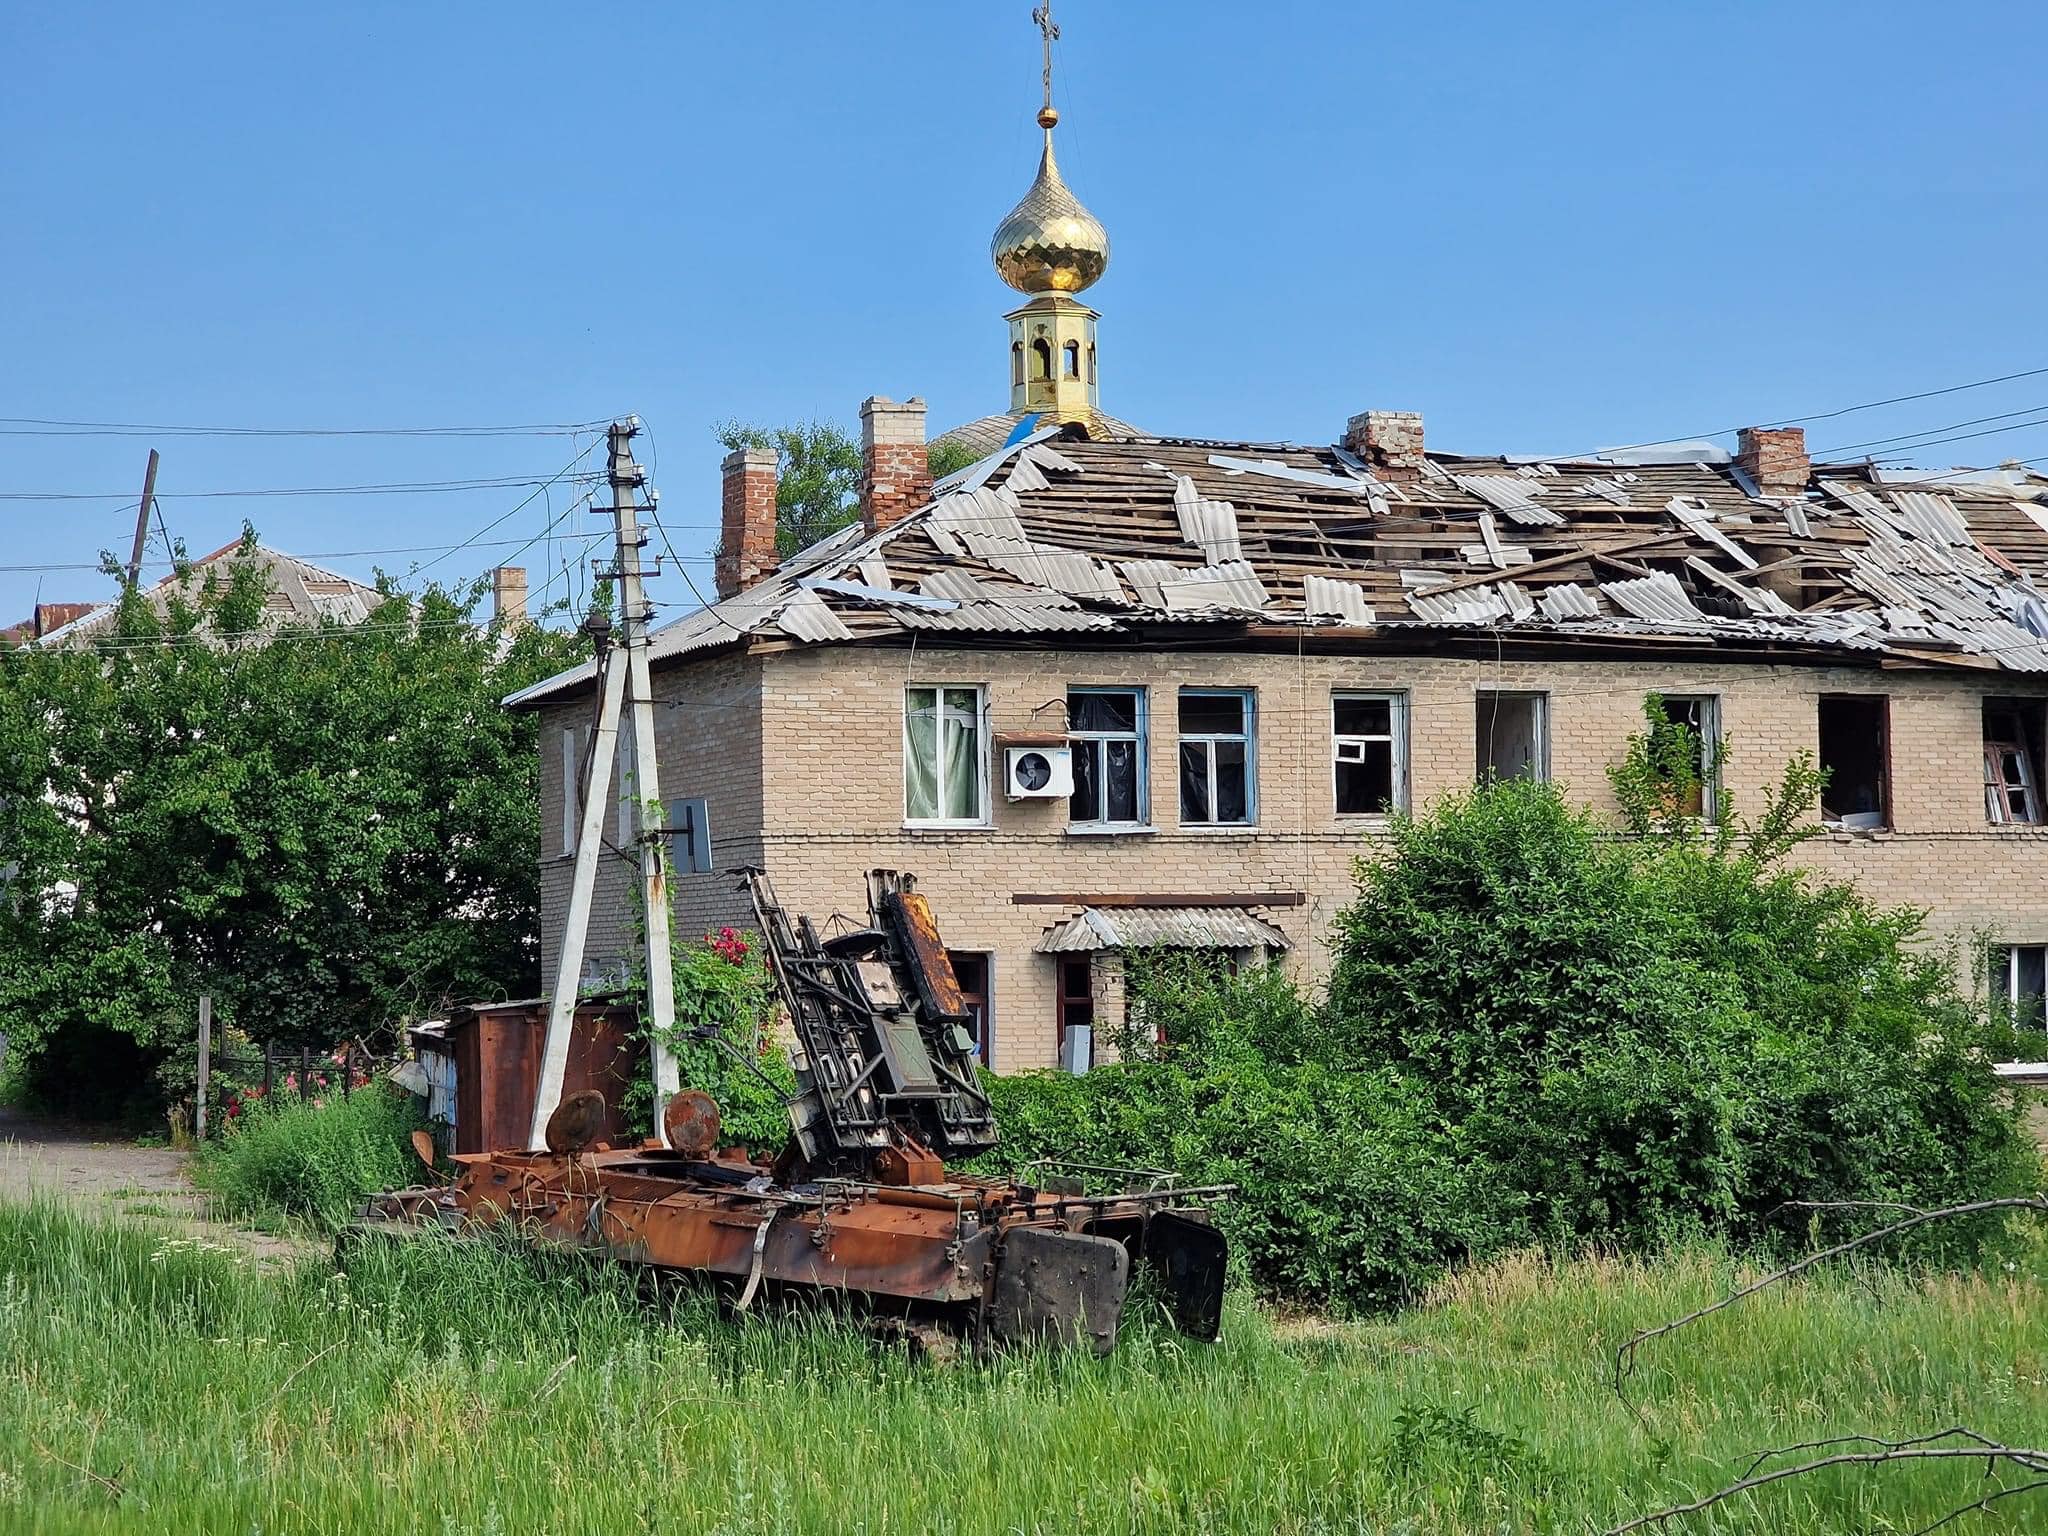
1540 699
1997 809
2009 992
1396 738
1710 747
1092 741
1208 739
981 753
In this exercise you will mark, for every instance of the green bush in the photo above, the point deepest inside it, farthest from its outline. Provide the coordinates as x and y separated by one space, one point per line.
1347 1195
314 1161
1537 1030
1644 1037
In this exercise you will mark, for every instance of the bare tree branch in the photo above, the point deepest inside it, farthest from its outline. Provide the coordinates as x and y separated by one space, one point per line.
1956 1432
1625 1356
2028 1459
1981 1504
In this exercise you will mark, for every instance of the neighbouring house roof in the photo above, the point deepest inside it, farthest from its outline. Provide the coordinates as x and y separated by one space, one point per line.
1096 928
46 618
299 593
1059 537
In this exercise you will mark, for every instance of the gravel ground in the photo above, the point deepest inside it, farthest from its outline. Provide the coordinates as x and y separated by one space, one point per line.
90 1167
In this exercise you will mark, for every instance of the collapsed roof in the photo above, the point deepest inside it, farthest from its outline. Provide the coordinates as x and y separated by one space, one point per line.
1059 537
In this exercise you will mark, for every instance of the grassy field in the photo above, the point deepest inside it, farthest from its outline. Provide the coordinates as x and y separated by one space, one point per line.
158 1385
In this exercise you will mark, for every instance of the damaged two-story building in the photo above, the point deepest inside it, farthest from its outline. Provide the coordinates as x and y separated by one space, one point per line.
1106 690
1105 694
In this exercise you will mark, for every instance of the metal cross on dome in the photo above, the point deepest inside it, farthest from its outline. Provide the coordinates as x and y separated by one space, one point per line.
1042 16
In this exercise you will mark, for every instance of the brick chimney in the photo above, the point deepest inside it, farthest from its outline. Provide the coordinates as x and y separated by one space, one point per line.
508 595
746 539
1775 458
1390 442
895 474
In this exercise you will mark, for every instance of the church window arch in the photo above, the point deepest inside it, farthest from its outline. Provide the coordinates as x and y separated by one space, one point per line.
1041 358
1070 359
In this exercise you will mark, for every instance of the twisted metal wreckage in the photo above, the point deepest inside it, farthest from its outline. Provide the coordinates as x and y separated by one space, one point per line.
859 1203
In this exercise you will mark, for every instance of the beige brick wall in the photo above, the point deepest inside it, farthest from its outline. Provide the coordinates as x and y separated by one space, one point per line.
816 735
707 731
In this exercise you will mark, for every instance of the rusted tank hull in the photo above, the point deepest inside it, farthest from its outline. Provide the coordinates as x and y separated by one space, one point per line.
992 1259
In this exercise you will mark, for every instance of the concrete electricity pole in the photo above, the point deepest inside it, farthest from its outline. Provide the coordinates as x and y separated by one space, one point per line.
622 670
142 520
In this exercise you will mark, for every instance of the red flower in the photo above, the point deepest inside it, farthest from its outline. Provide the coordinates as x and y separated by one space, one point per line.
729 944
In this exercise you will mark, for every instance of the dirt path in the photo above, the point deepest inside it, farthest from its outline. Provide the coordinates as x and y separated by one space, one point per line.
87 1167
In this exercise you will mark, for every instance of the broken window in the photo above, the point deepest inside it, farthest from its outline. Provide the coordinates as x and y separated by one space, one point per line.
1699 714
2012 760
2019 977
1041 359
1070 356
1855 750
1369 750
1016 362
1513 736
1076 1018
1107 729
945 756
972 972
1216 776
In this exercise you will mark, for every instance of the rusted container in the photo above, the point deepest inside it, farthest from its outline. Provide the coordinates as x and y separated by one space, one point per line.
497 1067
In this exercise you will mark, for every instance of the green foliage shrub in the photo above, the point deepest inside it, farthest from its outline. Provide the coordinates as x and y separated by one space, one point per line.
723 990
332 828
1346 1194
314 1160
1539 1030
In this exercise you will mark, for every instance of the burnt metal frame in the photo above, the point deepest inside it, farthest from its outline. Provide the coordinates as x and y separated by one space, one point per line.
848 1104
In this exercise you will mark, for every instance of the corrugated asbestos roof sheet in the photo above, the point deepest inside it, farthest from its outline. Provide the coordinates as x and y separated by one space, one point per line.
1160 928
300 593
1123 536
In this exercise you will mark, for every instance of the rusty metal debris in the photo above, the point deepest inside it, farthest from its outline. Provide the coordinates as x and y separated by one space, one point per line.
859 1204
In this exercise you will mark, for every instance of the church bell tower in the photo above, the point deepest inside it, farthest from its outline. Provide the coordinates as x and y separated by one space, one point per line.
1050 247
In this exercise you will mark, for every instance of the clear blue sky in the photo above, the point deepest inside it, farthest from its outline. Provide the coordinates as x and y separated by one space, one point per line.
1549 228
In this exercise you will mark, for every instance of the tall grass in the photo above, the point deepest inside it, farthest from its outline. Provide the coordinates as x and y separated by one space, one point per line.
310 1160
439 1390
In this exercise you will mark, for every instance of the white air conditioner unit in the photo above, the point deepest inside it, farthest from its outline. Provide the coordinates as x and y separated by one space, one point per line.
1038 773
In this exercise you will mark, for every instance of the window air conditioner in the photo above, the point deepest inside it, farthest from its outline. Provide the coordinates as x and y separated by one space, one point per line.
1038 773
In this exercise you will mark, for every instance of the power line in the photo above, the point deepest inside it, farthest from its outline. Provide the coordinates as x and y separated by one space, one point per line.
1960 437
1794 421
390 488
538 492
330 554
1903 437
37 426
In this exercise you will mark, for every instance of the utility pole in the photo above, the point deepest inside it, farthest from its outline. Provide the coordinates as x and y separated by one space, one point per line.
622 669
142 521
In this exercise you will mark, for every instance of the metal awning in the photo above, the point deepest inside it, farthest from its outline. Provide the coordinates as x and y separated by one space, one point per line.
1160 928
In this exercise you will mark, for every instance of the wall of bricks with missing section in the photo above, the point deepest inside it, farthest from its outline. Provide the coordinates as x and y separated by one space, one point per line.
800 754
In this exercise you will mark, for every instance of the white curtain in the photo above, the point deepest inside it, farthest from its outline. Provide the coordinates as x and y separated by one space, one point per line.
921 760
960 742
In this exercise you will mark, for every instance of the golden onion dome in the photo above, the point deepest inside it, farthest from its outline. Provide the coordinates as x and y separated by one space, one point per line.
1049 243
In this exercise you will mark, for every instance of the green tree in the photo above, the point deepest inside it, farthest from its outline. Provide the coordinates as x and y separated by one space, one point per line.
326 827
817 489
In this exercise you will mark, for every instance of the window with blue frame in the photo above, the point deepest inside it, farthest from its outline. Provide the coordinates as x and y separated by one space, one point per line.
1218 778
